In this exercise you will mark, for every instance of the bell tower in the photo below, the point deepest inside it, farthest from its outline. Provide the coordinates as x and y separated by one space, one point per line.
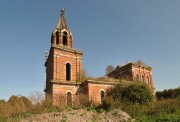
62 35
63 62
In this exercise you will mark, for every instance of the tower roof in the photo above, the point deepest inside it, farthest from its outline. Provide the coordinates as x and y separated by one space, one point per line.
62 24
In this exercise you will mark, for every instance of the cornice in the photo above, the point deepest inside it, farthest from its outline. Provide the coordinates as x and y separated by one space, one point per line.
67 49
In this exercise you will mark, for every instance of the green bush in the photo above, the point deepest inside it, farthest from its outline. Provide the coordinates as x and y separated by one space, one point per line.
138 93
116 93
162 110
165 106
133 92
136 111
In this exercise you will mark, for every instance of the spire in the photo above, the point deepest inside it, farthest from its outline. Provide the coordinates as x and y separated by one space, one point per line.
62 35
62 24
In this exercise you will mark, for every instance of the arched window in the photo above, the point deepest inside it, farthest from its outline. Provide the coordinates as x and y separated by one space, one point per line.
102 95
57 37
148 81
137 77
52 39
142 78
65 38
68 71
69 98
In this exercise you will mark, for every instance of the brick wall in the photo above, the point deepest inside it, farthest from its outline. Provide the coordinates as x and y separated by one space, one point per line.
134 72
94 91
60 60
60 94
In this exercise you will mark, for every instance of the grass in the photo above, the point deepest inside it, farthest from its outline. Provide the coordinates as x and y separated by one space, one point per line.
167 110
82 114
72 113
94 119
158 111
115 113
64 118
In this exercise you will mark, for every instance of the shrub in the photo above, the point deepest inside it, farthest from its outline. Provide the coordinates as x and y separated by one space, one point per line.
165 106
132 92
83 100
162 110
110 104
117 92
135 110
138 93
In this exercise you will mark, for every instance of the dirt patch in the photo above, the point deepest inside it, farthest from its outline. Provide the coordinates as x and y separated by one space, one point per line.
81 115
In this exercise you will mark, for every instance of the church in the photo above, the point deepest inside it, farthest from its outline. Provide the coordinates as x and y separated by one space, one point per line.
64 68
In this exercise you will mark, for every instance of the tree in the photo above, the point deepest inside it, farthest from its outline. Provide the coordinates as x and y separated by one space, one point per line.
109 69
36 97
22 103
168 94
2 101
14 101
83 75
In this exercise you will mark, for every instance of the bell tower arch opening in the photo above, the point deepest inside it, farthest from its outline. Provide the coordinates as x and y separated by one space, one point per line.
57 37
65 41
68 71
52 42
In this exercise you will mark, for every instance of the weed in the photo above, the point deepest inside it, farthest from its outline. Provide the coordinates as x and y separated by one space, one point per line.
82 114
115 113
90 108
64 118
72 113
94 118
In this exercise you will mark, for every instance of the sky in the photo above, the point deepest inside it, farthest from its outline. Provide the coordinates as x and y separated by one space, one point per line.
109 32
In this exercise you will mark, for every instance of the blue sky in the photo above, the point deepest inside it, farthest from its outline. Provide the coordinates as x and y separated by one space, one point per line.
109 32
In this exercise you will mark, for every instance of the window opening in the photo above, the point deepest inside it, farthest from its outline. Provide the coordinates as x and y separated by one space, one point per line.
65 38
143 78
57 37
102 94
148 80
68 71
137 77
52 39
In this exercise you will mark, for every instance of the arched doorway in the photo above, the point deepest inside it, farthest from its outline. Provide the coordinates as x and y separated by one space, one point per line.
102 96
68 71
69 98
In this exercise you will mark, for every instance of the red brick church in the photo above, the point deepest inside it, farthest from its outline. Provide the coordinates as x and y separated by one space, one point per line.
64 66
